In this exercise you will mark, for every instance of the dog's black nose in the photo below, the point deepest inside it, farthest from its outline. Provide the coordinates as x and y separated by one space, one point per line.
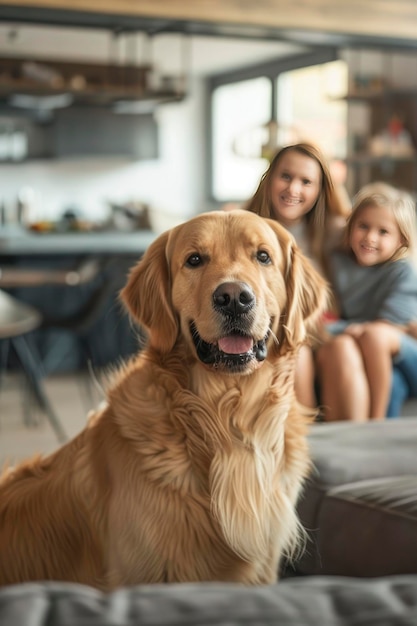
234 298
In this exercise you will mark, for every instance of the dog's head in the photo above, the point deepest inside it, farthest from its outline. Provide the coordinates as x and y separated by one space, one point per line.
233 284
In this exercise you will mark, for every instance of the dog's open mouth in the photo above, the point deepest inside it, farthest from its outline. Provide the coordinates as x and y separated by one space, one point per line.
234 351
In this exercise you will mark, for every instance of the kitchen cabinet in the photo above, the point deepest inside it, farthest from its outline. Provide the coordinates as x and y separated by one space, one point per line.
79 131
98 132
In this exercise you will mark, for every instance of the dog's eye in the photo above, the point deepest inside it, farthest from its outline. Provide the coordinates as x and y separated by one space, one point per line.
194 260
263 257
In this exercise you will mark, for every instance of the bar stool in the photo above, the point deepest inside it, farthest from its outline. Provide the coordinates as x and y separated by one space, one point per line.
17 320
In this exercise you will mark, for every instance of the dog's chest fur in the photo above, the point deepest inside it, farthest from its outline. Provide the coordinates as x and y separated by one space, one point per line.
209 460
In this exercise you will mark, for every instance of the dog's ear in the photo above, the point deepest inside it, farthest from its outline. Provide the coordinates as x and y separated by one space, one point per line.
307 293
147 296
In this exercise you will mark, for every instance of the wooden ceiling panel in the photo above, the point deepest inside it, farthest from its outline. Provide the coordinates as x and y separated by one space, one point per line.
388 19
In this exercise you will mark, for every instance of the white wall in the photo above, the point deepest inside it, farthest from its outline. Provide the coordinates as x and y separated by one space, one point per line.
169 184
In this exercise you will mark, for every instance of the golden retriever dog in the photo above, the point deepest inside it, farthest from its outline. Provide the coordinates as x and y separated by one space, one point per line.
191 470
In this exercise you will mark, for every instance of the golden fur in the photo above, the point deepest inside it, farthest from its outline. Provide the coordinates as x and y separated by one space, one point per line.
192 470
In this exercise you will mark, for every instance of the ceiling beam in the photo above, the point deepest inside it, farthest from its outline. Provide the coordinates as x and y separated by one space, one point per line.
308 21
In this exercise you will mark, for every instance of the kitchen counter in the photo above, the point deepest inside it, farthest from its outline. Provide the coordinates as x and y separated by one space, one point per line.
17 241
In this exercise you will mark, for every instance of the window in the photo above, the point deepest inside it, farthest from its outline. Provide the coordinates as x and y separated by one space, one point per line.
237 108
273 104
309 101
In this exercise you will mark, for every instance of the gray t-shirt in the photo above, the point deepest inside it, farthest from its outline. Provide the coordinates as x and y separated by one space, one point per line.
387 291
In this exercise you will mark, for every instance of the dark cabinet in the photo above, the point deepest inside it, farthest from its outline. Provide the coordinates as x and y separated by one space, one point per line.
75 132
78 131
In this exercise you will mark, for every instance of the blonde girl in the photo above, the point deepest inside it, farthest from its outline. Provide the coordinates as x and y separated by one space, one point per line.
375 284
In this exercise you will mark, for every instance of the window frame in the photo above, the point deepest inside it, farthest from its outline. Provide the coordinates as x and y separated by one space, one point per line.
270 70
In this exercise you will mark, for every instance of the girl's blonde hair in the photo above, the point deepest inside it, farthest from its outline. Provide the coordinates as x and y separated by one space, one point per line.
328 203
402 206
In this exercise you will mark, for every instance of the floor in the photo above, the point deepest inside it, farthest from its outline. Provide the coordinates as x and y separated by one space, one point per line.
25 431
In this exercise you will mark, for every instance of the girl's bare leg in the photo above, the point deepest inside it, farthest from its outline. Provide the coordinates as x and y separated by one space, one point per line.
304 378
343 381
379 342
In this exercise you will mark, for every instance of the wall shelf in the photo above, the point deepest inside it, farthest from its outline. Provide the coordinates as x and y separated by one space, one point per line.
383 146
369 159
85 83
386 94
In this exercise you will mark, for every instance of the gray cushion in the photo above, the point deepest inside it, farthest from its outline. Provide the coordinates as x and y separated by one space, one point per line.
344 454
347 452
296 602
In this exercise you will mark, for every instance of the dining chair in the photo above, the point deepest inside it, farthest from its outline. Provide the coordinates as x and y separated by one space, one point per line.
83 273
67 334
17 321
101 284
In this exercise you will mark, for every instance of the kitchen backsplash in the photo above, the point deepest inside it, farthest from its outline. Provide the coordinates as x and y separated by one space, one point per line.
49 188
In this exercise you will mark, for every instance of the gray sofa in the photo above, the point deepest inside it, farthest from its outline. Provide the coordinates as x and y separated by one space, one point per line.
311 601
359 567
360 504
409 408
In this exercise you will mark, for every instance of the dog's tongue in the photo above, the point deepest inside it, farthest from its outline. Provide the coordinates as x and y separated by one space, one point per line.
235 344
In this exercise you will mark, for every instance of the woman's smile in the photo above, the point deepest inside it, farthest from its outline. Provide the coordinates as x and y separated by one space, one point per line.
295 186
